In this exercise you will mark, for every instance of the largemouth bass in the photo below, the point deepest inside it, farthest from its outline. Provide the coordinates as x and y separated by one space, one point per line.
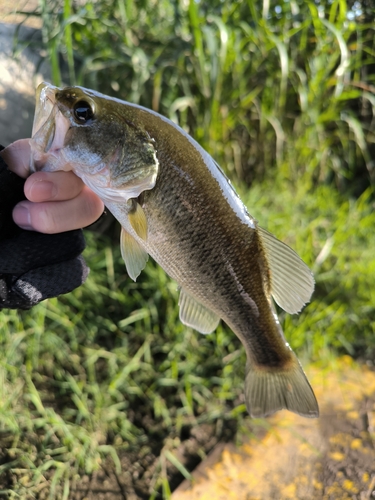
174 203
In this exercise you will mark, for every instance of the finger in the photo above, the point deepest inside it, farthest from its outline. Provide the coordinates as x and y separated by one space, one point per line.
58 216
17 157
56 186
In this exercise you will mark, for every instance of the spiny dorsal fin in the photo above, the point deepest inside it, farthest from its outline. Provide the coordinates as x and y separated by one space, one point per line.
137 219
194 314
292 282
135 257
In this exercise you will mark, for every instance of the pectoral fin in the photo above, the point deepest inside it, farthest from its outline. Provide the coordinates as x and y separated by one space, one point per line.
137 219
194 314
292 282
135 257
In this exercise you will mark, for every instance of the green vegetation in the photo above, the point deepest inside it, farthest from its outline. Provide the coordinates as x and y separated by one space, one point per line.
81 383
282 96
284 85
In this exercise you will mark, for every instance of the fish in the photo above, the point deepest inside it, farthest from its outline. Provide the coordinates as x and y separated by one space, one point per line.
175 204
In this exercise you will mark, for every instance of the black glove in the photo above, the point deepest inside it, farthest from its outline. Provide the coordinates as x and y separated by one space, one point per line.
34 266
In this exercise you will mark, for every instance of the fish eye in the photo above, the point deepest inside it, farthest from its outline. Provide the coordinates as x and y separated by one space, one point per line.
83 112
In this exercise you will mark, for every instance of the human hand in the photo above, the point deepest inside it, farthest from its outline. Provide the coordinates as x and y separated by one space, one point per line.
56 201
35 266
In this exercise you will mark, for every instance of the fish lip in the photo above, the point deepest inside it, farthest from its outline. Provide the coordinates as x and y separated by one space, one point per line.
49 129
45 101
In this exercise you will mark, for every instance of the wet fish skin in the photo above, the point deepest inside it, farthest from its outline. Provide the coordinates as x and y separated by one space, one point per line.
175 204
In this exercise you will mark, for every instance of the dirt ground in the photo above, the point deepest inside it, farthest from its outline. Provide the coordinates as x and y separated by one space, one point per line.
330 458
139 470
9 9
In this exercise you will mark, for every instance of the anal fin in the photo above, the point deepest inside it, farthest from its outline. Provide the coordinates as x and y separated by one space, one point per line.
194 314
135 257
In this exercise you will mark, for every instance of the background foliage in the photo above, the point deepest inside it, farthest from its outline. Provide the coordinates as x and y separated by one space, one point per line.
282 95
262 85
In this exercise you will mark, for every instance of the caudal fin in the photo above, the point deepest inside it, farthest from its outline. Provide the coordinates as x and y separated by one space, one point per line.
267 391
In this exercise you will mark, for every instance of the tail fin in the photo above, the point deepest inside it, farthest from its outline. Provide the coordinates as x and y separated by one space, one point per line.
267 391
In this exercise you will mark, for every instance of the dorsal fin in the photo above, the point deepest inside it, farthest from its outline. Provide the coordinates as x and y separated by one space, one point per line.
292 282
194 314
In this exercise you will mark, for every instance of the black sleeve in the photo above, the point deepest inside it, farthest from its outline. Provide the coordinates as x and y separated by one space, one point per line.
34 266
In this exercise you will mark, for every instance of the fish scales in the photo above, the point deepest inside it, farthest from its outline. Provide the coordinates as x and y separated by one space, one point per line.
218 258
175 204
181 232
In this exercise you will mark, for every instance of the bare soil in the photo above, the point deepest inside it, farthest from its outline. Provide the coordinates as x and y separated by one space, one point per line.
330 458
288 458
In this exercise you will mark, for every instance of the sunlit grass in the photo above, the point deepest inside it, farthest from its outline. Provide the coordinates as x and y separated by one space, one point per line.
77 369
74 368
335 237
261 85
280 95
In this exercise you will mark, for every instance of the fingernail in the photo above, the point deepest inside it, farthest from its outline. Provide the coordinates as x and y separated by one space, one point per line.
21 217
43 190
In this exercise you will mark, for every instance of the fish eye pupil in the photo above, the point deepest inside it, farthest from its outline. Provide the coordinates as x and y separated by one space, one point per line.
83 112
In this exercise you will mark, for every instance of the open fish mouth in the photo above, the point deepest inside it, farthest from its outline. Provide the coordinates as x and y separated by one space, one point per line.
49 127
45 101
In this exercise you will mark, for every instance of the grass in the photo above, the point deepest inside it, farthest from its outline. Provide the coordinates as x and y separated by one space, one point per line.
79 380
109 368
282 95
334 235
261 85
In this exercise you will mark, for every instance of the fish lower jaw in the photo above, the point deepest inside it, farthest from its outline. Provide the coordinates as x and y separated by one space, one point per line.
48 161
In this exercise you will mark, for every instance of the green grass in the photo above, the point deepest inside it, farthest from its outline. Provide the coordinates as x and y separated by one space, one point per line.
80 371
261 85
335 236
74 369
282 95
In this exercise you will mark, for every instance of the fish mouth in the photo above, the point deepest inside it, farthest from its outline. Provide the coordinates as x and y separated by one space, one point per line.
45 101
49 129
